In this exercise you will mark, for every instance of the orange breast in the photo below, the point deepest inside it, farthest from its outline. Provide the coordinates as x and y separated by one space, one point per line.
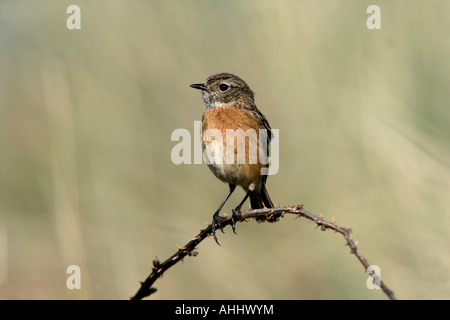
236 168
229 118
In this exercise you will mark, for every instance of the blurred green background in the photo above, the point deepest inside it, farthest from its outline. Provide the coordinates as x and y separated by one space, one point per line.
86 118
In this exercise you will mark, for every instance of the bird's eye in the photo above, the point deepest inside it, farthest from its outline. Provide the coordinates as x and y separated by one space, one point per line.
223 87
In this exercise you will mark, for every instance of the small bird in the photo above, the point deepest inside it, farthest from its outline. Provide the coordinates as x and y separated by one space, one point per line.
230 106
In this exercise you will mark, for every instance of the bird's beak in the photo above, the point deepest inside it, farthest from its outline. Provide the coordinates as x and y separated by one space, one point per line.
199 86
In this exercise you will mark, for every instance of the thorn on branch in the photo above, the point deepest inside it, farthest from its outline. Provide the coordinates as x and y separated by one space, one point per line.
192 253
156 263
159 268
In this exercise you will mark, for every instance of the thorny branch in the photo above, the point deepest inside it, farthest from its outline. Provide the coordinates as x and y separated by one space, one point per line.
159 268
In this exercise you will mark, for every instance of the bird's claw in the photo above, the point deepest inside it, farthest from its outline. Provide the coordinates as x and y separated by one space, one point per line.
216 220
234 217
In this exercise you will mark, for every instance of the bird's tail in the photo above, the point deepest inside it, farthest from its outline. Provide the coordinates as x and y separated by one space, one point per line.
261 200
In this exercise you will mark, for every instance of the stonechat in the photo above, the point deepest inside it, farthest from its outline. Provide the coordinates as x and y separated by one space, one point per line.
232 115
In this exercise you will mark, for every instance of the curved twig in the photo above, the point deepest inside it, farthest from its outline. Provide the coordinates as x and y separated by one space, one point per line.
159 268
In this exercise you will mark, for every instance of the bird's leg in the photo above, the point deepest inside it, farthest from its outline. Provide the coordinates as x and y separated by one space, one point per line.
237 210
217 218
